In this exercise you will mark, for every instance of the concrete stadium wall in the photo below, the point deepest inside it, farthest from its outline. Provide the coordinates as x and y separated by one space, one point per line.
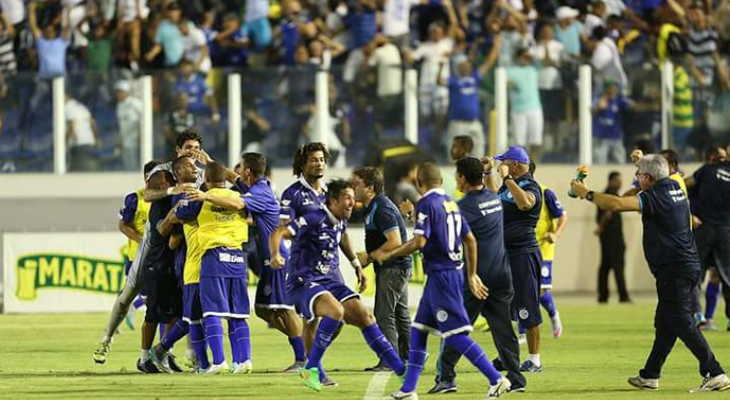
90 202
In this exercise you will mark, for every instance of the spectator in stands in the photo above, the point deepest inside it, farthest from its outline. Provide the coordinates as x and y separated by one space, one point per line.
606 61
195 47
595 18
131 15
232 43
178 120
405 189
568 30
385 58
129 117
51 50
200 95
256 23
362 24
8 65
550 55
255 126
511 31
337 130
682 111
14 14
82 136
168 39
294 26
396 21
524 104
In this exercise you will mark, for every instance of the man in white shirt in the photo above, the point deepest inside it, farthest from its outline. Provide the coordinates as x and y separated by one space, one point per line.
433 99
82 137
606 62
129 117
385 58
196 47
396 20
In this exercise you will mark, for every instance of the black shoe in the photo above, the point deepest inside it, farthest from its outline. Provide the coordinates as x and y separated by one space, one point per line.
516 389
148 367
443 387
380 367
497 363
172 363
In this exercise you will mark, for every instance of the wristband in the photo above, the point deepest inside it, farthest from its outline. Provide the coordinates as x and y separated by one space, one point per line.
508 178
169 191
488 173
355 263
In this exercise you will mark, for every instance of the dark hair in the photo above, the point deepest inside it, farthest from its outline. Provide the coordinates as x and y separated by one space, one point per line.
215 172
598 33
645 145
533 166
158 178
671 156
302 154
372 177
472 169
256 162
613 175
711 151
176 163
465 141
150 166
335 188
188 134
613 18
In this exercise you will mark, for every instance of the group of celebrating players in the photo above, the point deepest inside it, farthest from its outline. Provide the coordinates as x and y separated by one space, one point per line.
206 224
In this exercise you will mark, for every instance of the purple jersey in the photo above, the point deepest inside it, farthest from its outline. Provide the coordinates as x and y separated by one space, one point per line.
300 198
263 207
439 220
315 246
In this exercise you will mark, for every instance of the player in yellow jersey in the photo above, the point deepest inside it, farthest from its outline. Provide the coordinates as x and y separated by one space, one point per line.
132 218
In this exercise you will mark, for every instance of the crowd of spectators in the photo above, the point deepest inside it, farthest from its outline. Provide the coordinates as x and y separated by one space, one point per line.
102 45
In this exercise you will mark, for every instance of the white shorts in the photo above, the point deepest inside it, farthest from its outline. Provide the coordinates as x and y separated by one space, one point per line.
527 128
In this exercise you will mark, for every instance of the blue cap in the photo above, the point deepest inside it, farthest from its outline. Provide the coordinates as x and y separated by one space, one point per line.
515 153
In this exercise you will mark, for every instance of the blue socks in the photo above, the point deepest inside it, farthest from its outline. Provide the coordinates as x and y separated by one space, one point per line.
521 329
297 344
322 339
242 336
711 293
471 350
161 327
235 348
197 339
138 303
416 360
214 338
382 347
178 331
548 304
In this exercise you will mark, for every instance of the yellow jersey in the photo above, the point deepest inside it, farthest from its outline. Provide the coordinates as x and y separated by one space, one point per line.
680 180
221 227
193 253
135 211
546 223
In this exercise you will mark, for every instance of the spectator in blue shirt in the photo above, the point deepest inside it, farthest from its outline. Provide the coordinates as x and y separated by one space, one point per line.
362 25
232 43
169 39
200 96
293 27
51 50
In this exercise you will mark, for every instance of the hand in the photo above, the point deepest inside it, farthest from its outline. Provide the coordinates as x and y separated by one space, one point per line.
551 237
696 222
380 256
197 195
183 188
277 261
406 208
503 170
477 287
579 188
202 157
362 280
488 163
364 258
636 155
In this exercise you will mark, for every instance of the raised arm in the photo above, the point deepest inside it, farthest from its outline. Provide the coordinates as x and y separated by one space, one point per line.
33 20
235 203
606 201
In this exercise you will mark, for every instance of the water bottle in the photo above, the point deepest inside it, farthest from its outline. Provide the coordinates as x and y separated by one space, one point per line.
580 174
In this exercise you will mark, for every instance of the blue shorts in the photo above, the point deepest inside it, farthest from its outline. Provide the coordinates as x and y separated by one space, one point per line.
526 280
271 290
303 294
192 309
441 309
259 32
546 275
224 297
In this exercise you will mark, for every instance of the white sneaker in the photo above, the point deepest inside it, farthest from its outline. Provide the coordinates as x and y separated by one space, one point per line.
557 326
643 383
217 369
522 339
400 395
234 366
501 387
716 383
244 368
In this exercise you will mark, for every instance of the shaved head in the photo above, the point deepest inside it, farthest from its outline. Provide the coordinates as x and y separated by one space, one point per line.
429 174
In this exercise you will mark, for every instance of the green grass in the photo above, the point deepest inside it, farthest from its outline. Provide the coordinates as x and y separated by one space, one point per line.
49 357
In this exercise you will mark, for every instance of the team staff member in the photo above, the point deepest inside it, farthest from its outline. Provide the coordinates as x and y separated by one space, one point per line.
522 201
611 234
385 229
670 251
482 211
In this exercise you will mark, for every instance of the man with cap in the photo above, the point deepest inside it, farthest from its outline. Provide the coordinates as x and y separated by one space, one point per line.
669 248
129 115
521 198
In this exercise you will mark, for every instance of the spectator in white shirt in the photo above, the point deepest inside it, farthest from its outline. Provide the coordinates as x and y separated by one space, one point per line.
595 18
550 55
82 136
129 117
385 58
196 47
396 20
606 62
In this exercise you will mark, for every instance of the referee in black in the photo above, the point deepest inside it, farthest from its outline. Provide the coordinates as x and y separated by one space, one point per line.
669 248
482 210
385 230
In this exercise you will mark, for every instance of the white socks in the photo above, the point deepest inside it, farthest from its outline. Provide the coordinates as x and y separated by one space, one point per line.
144 355
535 358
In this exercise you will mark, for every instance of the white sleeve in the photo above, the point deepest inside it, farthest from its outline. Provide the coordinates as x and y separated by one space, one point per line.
601 57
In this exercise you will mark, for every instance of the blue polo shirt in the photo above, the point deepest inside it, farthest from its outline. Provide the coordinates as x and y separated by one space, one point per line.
713 190
463 98
519 226
382 217
482 210
669 245
607 123
169 37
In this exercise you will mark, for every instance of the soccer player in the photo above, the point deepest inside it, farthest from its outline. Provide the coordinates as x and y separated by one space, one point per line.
188 144
164 297
223 277
439 232
673 259
273 303
385 229
316 291
188 258
522 201
482 210
132 219
550 227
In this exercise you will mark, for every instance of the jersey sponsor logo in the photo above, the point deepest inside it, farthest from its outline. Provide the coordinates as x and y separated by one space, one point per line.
545 271
230 258
42 271
422 218
442 315
723 175
523 313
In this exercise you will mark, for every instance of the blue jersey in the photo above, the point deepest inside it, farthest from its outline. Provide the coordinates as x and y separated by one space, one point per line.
439 220
607 123
315 246
289 40
300 198
519 226
362 26
463 98
713 183
196 88
263 207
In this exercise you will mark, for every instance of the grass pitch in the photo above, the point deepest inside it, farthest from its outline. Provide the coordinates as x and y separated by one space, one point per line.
49 357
